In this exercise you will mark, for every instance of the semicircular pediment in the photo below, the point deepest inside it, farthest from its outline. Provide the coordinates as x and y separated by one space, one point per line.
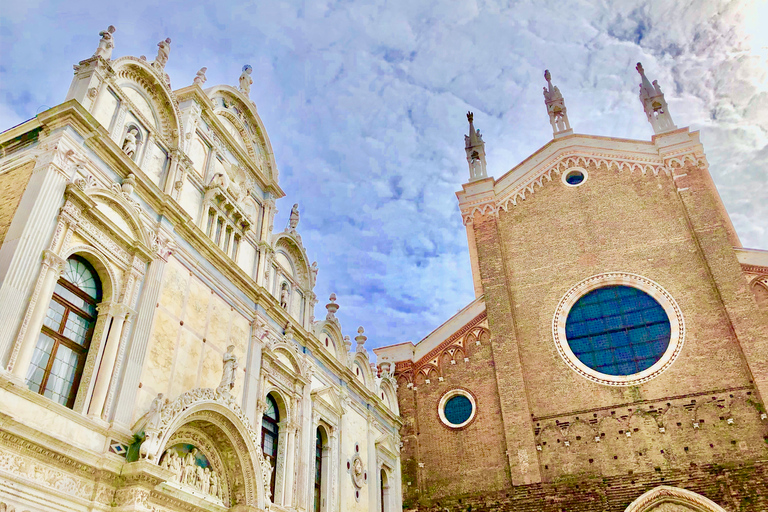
239 117
150 97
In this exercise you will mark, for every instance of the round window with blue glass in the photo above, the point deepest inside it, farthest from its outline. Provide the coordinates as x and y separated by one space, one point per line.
457 408
618 329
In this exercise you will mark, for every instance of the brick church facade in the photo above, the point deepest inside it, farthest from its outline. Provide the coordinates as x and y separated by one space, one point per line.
528 400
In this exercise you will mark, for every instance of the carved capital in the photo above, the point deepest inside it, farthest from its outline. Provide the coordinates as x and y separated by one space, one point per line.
54 262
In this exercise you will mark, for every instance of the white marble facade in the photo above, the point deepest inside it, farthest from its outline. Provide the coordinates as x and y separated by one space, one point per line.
200 321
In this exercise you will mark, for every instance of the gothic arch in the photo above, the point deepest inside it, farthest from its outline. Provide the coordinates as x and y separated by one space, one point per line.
672 499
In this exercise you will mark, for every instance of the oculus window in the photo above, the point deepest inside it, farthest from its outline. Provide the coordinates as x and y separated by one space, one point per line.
618 330
457 408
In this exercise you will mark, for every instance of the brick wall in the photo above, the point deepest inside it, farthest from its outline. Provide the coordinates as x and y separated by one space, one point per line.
736 488
12 185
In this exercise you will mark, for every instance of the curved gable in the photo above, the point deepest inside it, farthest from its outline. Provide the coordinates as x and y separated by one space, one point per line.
239 117
150 98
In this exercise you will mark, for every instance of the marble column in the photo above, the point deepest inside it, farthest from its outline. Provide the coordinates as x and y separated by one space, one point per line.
108 358
137 350
52 267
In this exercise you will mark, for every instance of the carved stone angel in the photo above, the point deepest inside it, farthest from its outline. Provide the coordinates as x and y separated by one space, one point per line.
106 44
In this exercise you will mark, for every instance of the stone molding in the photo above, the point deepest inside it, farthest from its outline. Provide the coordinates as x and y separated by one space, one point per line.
653 499
675 315
577 158
414 367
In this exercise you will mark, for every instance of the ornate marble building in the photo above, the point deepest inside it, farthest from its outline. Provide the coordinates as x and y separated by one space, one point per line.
158 347
616 355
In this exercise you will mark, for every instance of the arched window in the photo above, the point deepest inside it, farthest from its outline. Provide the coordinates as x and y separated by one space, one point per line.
318 469
384 484
269 435
62 347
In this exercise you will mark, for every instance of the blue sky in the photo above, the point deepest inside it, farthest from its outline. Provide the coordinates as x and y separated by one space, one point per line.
364 104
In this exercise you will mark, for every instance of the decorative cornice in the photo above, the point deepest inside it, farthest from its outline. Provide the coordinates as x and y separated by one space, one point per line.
415 366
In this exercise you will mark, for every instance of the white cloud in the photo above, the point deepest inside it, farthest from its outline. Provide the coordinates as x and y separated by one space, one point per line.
364 105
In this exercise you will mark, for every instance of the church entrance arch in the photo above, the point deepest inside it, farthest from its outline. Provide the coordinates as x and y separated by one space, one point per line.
672 499
207 444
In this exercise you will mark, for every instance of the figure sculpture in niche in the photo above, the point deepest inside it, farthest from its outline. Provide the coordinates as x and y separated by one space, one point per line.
200 478
163 51
106 44
284 296
293 221
246 81
200 77
229 373
129 143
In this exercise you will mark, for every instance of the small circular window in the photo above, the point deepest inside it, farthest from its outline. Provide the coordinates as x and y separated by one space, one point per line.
457 408
574 177
618 329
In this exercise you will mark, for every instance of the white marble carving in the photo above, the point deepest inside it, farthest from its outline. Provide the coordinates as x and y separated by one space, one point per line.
245 80
106 44
200 77
229 372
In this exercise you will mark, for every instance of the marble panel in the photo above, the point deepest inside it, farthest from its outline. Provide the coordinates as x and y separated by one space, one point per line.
43 419
141 103
246 258
191 199
196 312
218 325
198 153
187 363
210 374
162 344
105 108
175 284
155 163
239 333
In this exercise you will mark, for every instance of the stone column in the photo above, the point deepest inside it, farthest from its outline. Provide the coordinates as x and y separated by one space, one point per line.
334 500
290 463
28 235
396 481
100 332
53 265
108 358
306 450
137 351
373 477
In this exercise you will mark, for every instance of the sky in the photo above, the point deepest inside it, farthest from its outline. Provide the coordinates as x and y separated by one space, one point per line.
364 103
